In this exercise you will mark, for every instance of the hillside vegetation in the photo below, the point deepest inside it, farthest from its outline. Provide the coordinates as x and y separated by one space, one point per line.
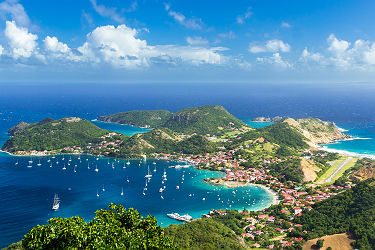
210 119
52 134
139 118
352 211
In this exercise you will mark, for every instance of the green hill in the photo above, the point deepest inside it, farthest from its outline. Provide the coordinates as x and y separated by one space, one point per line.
164 140
139 118
52 134
208 119
352 211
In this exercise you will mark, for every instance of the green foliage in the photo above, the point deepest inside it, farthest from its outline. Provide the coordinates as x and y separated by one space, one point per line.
139 118
111 228
203 120
203 234
352 211
319 243
55 134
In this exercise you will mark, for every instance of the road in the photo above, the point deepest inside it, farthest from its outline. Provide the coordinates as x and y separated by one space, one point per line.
329 179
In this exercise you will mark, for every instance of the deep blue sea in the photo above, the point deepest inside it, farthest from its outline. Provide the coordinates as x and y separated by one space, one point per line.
26 194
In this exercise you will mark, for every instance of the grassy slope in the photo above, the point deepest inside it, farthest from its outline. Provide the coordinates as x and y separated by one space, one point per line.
335 165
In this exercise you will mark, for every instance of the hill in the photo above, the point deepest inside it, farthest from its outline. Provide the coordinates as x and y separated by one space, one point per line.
50 134
210 119
139 118
164 140
365 172
350 212
316 130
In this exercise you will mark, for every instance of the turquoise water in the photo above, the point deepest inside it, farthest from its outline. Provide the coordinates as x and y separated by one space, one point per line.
257 124
124 129
362 144
26 194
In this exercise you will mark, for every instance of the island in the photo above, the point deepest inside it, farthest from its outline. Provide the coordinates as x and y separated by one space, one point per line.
313 189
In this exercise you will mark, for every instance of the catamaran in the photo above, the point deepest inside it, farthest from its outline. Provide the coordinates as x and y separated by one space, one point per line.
149 175
56 202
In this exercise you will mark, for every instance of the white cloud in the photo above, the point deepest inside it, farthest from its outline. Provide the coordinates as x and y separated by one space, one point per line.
308 56
337 46
1 50
120 47
196 40
286 25
191 23
229 35
270 46
14 10
53 45
21 42
275 60
110 12
241 19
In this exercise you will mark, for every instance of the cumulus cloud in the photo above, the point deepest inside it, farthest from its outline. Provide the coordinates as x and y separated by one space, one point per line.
270 46
196 40
241 19
21 42
53 45
110 12
275 60
120 47
16 12
307 56
191 23
1 50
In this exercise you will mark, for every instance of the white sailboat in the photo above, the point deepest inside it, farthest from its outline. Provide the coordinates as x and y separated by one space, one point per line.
155 168
122 191
39 164
56 202
75 171
124 166
64 168
96 169
149 175
16 162
128 163
103 189
97 193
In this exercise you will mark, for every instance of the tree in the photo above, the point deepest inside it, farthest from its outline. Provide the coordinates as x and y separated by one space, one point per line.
319 243
114 227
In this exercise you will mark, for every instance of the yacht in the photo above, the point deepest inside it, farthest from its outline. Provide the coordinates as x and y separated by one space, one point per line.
56 202
149 175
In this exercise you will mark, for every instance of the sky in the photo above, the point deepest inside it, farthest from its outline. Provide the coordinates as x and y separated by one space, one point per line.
130 41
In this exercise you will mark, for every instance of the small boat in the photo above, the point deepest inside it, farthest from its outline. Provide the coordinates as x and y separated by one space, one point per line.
29 166
113 166
96 169
161 190
50 165
53 157
16 163
103 189
49 160
124 166
108 161
128 163
122 191
31 160
177 187
149 175
57 162
203 199
64 168
63 159
127 179
161 196
75 171
88 165
56 202
70 159
154 163
97 193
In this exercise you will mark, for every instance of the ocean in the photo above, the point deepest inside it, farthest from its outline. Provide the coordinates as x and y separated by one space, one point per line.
26 194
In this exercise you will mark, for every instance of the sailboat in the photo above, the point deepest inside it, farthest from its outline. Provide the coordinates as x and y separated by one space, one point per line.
50 165
97 193
39 164
103 189
124 166
96 169
56 202
127 179
75 171
88 165
113 166
155 169
16 162
149 175
128 163
122 191
31 160
70 159
49 160
64 168
108 161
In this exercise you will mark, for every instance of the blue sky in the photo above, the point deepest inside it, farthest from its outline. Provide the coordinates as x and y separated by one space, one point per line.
187 41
